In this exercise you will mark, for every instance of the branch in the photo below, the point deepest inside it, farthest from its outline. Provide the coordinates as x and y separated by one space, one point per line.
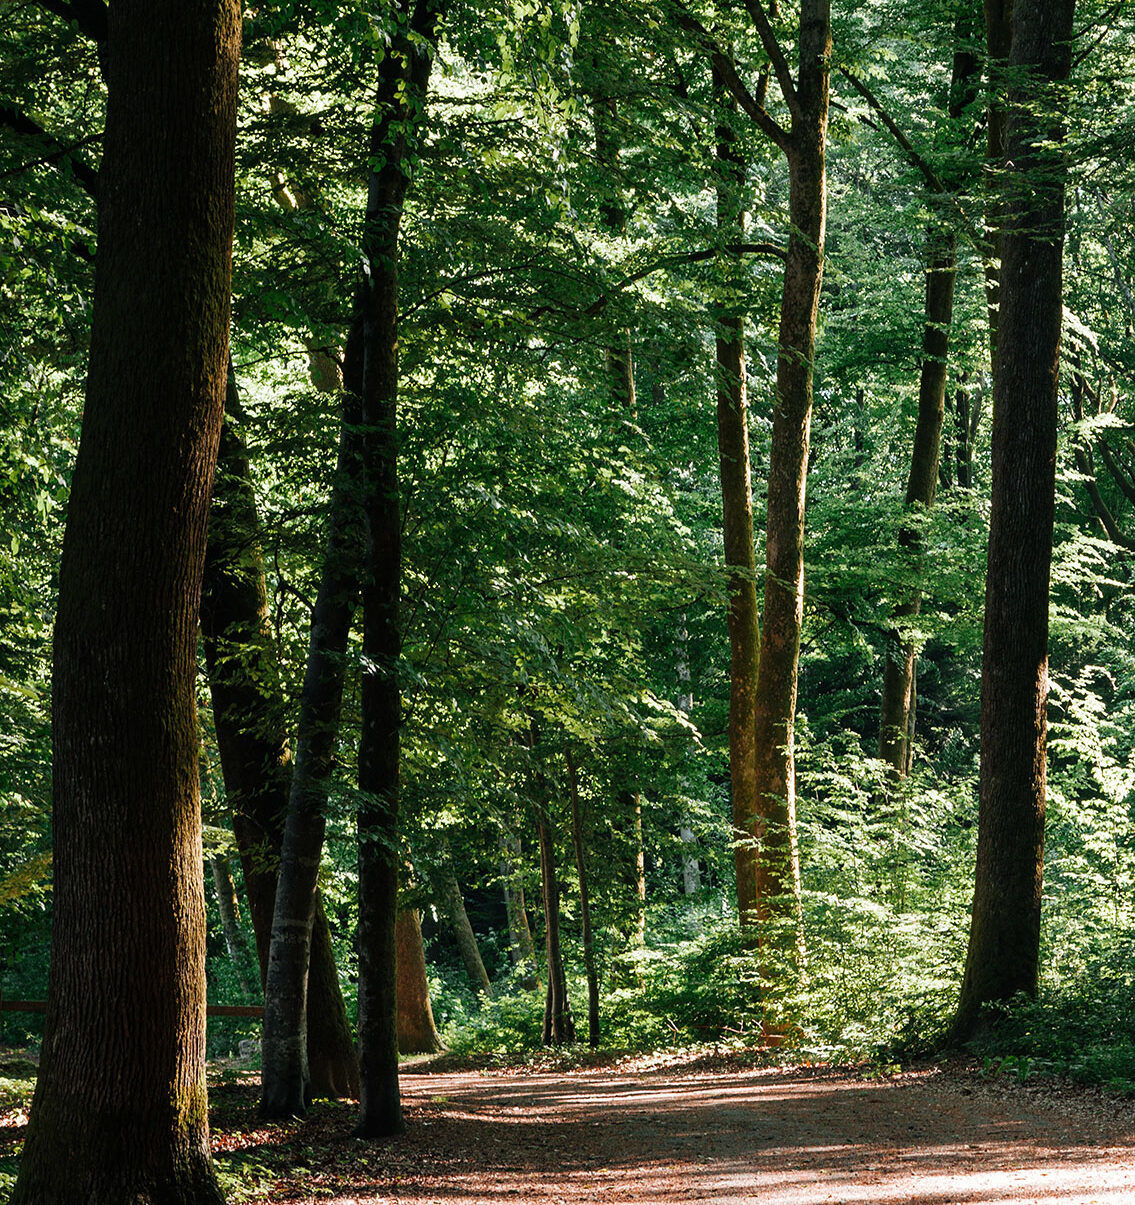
723 64
776 57
90 16
85 175
1103 513
1122 477
933 182
690 257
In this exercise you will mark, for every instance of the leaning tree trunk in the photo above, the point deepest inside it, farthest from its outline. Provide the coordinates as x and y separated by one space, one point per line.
521 948
248 716
1004 942
225 890
286 1084
417 1033
778 877
400 106
453 906
737 524
120 1114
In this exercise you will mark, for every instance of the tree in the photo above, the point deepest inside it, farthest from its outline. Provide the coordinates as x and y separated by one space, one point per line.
120 1107
1004 943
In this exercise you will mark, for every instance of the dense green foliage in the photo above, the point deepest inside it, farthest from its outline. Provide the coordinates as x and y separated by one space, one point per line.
562 553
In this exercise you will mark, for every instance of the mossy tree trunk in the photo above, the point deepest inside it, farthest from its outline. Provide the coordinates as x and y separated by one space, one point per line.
120 1109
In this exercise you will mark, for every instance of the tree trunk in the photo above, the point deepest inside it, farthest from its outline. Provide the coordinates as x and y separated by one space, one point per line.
897 712
400 104
737 529
778 874
120 1114
453 906
998 35
243 668
584 907
521 949
417 1033
691 871
286 1081
225 890
559 1028
1004 943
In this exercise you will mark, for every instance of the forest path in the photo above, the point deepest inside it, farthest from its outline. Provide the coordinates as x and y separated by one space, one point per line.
771 1136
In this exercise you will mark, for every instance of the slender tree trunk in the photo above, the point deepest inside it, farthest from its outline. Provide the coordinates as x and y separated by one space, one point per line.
778 876
286 1082
399 110
242 664
521 949
453 906
417 1033
897 713
120 1114
737 529
691 872
559 1028
1004 944
225 890
584 906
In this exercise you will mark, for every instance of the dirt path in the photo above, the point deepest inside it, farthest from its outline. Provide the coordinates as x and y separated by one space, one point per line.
742 1138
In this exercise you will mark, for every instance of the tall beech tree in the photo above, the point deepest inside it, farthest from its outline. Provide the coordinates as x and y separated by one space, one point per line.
120 1109
1004 942
803 145
399 113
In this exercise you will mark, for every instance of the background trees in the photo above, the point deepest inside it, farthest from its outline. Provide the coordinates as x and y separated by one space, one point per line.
561 549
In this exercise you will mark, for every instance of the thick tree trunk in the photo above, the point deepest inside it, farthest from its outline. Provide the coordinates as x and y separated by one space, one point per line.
778 876
559 1028
120 1115
400 105
453 906
286 1084
417 1033
584 906
737 529
239 955
1004 943
242 663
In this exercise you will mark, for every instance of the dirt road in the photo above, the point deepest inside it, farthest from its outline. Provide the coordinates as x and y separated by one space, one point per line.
742 1138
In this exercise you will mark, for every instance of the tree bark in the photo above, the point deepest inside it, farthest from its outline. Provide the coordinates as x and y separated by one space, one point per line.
521 948
417 1033
120 1114
778 873
998 35
737 530
243 669
453 906
225 890
559 1028
584 906
399 109
286 1085
1004 943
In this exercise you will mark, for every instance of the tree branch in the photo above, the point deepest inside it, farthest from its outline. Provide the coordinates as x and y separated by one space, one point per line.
1103 513
776 57
933 181
56 151
723 64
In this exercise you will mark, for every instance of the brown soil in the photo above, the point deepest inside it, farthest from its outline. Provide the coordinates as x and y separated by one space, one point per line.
773 1136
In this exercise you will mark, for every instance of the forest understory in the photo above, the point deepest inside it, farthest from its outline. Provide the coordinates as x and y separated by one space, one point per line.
690 1126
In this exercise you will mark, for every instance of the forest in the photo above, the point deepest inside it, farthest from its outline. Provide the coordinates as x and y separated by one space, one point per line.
556 524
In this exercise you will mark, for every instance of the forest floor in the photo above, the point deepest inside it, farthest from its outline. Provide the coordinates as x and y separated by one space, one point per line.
651 1131
656 1130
